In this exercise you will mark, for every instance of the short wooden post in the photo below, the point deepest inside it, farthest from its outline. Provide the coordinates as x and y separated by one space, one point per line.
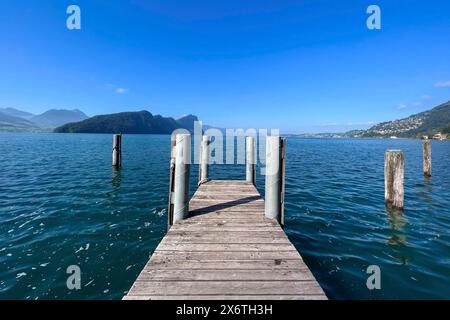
204 160
117 151
181 177
250 173
427 158
274 202
393 178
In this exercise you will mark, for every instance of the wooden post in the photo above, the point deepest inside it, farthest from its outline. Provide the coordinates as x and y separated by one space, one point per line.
274 201
393 178
181 177
204 161
427 158
250 174
117 151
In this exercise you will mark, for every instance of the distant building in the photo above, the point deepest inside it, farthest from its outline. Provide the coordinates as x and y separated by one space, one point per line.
440 136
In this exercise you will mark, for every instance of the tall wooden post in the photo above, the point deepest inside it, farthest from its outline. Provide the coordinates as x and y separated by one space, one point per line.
393 178
204 160
117 151
181 177
250 174
427 158
275 170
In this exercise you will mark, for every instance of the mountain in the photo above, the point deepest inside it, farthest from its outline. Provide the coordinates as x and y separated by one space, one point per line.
54 118
425 123
142 122
187 122
11 123
17 113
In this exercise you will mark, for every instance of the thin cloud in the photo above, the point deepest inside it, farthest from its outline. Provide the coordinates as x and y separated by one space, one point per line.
121 90
116 89
443 84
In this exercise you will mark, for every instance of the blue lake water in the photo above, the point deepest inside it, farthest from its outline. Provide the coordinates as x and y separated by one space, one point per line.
62 204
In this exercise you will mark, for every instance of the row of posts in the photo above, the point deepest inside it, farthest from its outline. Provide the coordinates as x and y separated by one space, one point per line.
180 172
394 172
394 168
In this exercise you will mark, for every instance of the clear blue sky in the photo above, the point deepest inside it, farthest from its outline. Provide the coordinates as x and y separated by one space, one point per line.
295 65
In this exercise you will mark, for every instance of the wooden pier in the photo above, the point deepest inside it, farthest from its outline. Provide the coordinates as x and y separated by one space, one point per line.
226 249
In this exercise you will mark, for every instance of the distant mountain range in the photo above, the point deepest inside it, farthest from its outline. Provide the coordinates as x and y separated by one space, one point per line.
141 122
14 120
436 120
11 123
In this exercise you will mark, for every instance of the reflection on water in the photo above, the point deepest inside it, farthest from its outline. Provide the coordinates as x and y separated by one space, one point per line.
426 191
397 222
397 239
116 178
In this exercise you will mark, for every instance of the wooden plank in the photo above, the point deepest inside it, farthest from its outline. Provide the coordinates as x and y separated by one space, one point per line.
225 287
225 275
226 214
228 256
223 239
225 247
223 197
234 192
204 228
239 210
229 222
192 236
177 264
227 297
245 202
229 183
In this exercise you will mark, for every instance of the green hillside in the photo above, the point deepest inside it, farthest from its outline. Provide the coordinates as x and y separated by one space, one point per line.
142 122
425 123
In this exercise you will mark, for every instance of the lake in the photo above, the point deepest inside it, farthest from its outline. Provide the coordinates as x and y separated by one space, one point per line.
62 204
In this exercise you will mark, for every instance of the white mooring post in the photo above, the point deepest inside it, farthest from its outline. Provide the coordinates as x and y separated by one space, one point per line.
117 151
181 177
393 178
173 141
204 160
275 172
250 173
427 158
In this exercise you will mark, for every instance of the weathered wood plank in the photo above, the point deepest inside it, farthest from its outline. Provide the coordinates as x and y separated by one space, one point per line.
220 228
227 214
225 247
229 222
227 256
227 297
177 264
218 239
227 236
226 275
225 287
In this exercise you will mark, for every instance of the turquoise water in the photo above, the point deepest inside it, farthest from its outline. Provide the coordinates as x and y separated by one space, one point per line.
61 204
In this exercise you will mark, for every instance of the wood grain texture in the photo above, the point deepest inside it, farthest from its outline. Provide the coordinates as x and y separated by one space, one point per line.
226 250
